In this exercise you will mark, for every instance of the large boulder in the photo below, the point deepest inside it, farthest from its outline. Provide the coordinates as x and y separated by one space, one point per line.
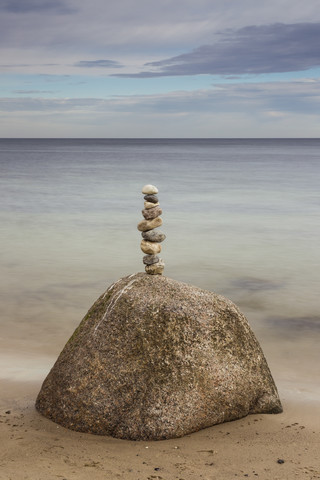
155 358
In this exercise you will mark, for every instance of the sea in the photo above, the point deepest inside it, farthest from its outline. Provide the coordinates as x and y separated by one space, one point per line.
241 216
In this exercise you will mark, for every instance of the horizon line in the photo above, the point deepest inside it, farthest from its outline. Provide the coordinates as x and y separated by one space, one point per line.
159 138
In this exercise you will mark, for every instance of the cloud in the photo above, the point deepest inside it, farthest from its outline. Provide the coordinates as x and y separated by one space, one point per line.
278 109
32 6
141 32
46 105
269 100
32 92
250 50
15 65
98 64
44 31
19 65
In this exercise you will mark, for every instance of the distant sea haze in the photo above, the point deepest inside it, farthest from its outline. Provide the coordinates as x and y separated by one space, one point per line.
241 219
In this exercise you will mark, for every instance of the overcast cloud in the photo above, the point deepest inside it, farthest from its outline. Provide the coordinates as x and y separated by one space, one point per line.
250 50
98 64
36 6
138 66
283 97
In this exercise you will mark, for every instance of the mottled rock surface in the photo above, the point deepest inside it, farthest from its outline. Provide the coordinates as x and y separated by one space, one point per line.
148 205
155 358
150 248
154 235
150 213
156 268
150 259
145 225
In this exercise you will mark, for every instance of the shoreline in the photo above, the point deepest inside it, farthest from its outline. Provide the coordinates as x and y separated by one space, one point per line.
36 448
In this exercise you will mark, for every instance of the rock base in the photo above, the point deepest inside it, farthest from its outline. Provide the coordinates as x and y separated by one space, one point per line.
156 359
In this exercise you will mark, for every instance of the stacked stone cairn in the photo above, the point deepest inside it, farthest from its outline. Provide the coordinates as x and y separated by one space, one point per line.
151 235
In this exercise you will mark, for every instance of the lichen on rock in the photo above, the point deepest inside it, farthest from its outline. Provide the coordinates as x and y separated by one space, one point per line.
154 359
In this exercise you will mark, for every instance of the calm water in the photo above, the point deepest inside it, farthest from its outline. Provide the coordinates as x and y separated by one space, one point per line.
241 218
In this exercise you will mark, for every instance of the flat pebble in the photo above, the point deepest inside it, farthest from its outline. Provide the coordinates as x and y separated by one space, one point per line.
155 269
150 259
148 205
146 225
150 248
154 236
149 190
151 198
150 213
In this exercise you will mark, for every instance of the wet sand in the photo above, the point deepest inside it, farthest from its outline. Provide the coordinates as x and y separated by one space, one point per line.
266 447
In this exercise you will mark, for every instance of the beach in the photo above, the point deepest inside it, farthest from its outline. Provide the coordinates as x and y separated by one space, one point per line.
277 447
241 219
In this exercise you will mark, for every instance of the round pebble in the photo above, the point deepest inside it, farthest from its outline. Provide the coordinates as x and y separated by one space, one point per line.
155 269
151 241
150 213
151 198
148 205
150 259
154 236
145 225
150 248
149 190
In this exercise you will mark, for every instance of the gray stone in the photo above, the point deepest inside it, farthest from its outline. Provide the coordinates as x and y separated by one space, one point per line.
150 259
154 235
150 213
154 359
155 269
151 198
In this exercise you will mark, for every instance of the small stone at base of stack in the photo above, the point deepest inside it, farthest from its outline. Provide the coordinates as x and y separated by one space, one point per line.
152 236
150 259
155 268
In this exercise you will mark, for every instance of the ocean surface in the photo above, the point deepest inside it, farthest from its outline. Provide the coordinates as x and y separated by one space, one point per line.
242 218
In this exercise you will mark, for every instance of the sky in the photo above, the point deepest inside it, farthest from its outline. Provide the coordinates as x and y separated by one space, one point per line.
159 68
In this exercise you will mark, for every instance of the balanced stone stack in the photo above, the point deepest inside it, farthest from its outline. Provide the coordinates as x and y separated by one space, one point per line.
151 235
155 358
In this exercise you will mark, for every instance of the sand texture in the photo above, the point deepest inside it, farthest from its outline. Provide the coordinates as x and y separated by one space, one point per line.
34 448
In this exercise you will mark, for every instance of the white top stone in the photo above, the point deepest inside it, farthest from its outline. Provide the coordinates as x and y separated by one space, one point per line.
149 190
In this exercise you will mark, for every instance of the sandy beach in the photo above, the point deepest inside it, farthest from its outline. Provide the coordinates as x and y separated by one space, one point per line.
267 447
